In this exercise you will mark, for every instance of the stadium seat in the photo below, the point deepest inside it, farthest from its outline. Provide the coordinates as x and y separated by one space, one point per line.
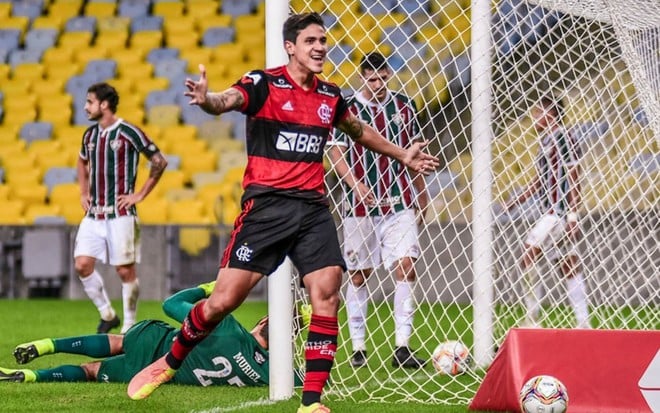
237 8
214 36
101 69
159 97
84 55
162 54
4 192
100 9
180 133
153 211
133 8
171 69
59 175
144 86
170 179
168 9
173 162
113 24
193 115
11 212
36 213
48 22
146 24
215 129
195 162
180 194
31 72
214 20
10 39
182 41
18 56
414 7
200 180
41 39
187 211
231 52
111 40
73 41
30 194
203 9
65 193
81 24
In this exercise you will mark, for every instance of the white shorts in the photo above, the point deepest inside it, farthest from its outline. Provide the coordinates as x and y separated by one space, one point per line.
115 241
549 235
371 241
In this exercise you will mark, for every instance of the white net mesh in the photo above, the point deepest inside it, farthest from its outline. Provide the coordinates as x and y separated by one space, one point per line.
599 58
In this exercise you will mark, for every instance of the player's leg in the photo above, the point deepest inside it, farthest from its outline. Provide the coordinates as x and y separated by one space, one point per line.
318 258
538 238
90 246
97 345
400 248
576 289
362 254
64 373
124 252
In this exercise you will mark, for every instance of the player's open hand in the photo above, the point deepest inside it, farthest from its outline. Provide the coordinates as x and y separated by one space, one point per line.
419 161
197 89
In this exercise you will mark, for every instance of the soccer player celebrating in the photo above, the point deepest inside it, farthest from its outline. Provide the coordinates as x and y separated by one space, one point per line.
290 113
380 223
557 184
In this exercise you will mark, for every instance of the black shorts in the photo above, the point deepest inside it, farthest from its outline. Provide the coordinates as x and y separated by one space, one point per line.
270 227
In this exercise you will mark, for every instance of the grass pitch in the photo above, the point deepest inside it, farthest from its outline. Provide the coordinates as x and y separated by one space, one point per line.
26 320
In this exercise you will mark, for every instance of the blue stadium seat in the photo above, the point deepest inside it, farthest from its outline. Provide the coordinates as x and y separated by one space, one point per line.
193 115
237 7
40 39
77 86
171 68
101 69
81 24
378 7
214 36
647 163
340 53
34 131
2 175
133 8
329 20
160 97
173 162
396 36
146 23
163 53
59 175
18 56
414 6
4 54
10 38
30 9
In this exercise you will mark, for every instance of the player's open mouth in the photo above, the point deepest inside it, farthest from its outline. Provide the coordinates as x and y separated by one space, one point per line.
318 58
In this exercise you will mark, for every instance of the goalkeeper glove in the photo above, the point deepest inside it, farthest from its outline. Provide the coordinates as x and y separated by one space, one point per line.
207 287
306 314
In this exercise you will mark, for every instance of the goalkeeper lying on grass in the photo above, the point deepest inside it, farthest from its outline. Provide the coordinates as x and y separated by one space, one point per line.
230 355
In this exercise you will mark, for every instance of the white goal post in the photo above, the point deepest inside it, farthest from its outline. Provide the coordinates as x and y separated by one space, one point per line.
475 69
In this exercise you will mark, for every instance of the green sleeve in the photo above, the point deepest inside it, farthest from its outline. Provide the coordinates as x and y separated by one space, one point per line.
177 306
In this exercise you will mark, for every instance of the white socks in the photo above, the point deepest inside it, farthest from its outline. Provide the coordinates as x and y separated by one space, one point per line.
129 292
93 286
404 309
532 297
356 308
577 296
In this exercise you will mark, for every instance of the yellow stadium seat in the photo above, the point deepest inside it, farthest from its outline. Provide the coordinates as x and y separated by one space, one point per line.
16 87
29 194
194 162
11 212
66 193
41 210
153 211
181 41
50 90
74 40
65 9
168 9
144 86
153 132
204 22
169 180
180 194
100 9
62 70
164 115
4 192
69 134
57 159
10 145
195 56
191 146
202 10
111 40
128 56
228 52
180 133
48 22
5 71
180 25
194 240
139 71
216 129
113 24
234 175
188 211
85 54
146 40
15 22
5 10
28 71
72 211
201 180
19 116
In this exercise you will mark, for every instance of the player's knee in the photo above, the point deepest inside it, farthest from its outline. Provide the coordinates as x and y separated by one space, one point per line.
83 267
221 303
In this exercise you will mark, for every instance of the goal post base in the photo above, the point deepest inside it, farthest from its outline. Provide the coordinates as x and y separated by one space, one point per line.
603 370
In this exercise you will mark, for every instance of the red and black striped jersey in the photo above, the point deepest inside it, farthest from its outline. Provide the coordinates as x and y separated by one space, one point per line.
286 130
113 155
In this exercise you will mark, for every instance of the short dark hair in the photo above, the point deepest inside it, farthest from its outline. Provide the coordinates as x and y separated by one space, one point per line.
555 105
105 92
373 61
298 22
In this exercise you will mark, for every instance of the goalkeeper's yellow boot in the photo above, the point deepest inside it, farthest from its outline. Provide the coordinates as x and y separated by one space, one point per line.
149 379
26 352
313 408
18 376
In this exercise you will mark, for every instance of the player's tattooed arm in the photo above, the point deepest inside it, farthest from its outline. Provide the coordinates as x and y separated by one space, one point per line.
217 103
158 165
352 126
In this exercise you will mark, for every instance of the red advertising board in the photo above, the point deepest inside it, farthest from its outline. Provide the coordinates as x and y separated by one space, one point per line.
604 371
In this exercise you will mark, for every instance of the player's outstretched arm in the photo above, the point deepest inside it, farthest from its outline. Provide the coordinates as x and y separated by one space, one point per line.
212 103
413 157
177 306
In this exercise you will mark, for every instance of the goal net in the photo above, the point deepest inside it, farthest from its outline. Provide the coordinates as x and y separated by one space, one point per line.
600 60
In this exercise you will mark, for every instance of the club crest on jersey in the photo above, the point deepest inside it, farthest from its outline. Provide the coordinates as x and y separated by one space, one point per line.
325 113
397 119
281 83
323 89
259 358
115 144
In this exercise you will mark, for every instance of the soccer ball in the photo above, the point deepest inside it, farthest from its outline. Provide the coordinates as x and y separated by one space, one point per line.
451 357
543 394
